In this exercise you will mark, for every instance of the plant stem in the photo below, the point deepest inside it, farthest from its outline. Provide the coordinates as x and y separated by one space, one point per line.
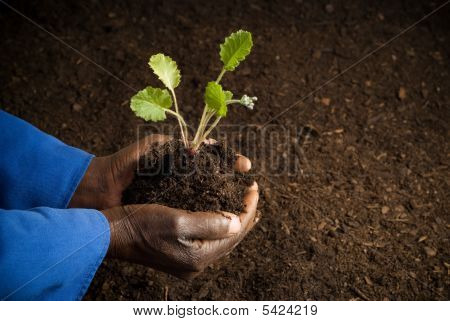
200 125
181 121
213 125
206 117
201 129
233 101
219 78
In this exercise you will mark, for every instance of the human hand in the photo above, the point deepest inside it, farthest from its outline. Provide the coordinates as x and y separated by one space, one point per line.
107 177
176 241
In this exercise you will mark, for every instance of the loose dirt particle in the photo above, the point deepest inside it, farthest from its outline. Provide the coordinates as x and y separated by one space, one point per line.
317 54
368 280
321 225
402 93
430 251
329 8
422 238
77 107
325 101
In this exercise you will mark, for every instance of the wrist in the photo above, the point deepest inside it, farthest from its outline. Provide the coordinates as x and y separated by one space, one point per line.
93 190
119 233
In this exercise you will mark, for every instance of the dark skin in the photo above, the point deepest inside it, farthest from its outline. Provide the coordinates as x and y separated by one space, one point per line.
176 241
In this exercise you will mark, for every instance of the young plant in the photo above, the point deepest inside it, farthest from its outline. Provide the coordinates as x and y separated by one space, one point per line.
153 104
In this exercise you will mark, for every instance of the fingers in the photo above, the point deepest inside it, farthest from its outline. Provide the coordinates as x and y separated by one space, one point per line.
250 203
157 138
187 276
209 225
248 218
148 141
242 164
129 156
215 226
254 221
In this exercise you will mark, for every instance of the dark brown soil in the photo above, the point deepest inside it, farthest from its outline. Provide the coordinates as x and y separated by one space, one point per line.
173 176
364 215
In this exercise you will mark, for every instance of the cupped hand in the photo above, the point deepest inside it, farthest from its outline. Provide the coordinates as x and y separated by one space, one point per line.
107 177
176 241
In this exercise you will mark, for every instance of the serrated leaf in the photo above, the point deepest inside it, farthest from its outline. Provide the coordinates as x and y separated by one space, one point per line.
166 69
215 98
151 103
235 48
228 95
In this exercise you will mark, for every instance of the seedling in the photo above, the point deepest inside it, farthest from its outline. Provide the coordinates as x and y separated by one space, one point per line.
153 104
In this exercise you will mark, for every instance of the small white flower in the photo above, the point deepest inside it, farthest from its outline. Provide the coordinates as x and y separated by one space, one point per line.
248 101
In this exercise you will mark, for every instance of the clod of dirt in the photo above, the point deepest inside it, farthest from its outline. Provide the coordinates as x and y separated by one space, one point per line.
422 238
205 181
317 54
325 101
329 8
402 93
77 107
368 280
430 251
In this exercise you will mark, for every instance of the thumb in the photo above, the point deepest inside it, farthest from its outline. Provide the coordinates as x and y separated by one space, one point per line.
209 225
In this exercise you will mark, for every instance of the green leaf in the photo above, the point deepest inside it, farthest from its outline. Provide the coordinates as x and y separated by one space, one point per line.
228 95
215 98
166 69
235 48
150 103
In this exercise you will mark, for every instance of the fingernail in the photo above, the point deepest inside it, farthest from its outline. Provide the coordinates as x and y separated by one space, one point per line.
235 225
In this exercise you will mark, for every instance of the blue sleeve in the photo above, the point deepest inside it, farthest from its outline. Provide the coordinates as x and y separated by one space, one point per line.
36 169
50 254
45 253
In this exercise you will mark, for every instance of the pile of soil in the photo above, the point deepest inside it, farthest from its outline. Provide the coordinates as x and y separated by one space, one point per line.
172 175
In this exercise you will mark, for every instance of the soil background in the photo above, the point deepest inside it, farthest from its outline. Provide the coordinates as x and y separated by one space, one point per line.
354 178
